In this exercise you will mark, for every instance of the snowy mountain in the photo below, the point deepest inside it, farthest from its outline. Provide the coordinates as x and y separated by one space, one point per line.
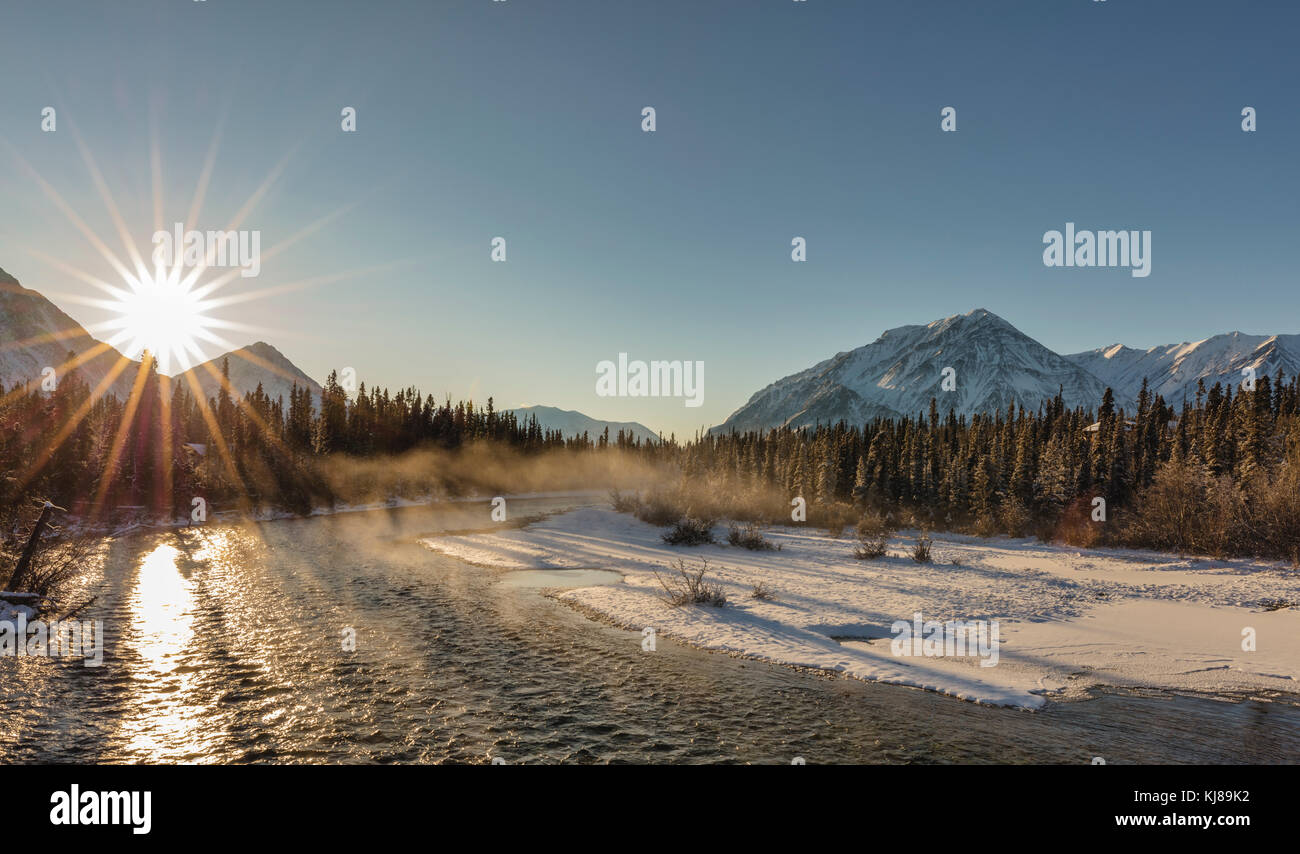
573 423
35 333
1174 369
256 363
993 363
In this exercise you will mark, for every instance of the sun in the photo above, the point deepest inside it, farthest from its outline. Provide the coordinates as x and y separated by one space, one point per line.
163 315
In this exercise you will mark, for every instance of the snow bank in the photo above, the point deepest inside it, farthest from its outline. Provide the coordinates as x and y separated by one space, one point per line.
10 611
1068 620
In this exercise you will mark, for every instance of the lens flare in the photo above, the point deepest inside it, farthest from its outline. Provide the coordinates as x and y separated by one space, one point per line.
163 315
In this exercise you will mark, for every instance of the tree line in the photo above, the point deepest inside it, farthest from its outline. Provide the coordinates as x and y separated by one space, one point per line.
166 445
1215 474
1219 474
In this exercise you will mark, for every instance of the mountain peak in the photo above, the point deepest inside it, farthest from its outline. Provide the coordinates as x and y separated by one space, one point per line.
993 365
266 351
985 317
976 317
255 364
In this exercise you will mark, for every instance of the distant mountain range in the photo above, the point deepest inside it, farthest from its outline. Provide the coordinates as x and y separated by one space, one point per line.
573 423
1173 371
993 365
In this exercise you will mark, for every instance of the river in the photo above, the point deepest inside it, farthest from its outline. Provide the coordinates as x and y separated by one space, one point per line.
225 643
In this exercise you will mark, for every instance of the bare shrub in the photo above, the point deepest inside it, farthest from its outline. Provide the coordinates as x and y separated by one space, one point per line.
659 508
1186 509
762 591
764 507
1076 527
689 587
873 532
748 537
59 558
871 546
624 502
708 497
59 564
1268 523
921 551
690 531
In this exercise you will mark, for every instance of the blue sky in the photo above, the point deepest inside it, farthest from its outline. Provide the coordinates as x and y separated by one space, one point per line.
774 119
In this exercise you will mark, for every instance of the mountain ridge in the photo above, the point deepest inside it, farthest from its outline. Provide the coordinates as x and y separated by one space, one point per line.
1174 370
989 364
570 422
993 365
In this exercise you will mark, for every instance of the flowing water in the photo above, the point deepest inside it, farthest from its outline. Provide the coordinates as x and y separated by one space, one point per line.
225 643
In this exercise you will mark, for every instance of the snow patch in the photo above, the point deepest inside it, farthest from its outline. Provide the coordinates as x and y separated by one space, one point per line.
1069 620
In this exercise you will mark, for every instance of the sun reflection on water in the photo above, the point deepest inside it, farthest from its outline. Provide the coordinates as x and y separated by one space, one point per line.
167 722
162 607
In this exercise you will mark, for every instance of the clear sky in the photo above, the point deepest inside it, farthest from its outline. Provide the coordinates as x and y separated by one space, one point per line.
774 119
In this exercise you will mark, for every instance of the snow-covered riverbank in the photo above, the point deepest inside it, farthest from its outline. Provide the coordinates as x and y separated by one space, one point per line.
11 611
1068 619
